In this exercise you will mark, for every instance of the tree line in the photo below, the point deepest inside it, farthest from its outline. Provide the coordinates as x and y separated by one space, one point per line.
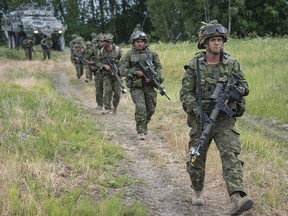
165 19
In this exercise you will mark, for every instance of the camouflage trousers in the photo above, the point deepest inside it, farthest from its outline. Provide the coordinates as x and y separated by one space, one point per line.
145 100
28 54
79 70
46 53
112 89
228 143
99 77
88 72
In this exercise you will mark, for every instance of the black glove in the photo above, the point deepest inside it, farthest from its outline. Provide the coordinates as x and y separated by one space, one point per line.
234 94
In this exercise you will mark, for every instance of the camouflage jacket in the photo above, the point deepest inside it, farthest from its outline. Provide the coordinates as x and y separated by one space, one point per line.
27 43
114 55
46 43
129 66
210 76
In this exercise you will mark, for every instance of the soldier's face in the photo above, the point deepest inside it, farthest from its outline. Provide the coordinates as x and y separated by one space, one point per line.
139 44
215 45
100 43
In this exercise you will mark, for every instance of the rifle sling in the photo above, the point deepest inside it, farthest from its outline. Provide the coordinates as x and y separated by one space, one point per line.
198 75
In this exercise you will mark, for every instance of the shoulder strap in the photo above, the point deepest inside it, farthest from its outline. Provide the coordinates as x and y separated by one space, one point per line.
198 75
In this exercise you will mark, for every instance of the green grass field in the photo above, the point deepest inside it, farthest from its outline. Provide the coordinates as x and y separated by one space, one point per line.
43 134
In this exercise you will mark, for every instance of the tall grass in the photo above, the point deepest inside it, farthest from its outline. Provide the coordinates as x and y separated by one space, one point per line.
54 161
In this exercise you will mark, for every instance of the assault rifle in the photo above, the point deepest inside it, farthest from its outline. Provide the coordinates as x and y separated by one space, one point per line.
115 73
149 73
81 60
220 97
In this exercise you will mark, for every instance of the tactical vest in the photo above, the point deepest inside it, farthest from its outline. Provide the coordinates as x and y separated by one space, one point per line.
211 75
136 56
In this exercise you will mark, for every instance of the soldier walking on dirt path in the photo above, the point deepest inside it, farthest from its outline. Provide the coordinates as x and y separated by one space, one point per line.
112 88
27 45
77 59
211 68
142 89
97 45
87 55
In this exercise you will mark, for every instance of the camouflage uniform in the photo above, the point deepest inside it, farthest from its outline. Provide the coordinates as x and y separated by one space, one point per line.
75 40
46 44
27 45
143 94
137 28
223 131
88 54
99 76
77 57
112 88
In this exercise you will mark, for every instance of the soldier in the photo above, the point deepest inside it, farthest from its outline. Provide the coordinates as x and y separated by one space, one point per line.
46 44
142 89
99 76
138 28
87 55
199 81
78 61
27 45
94 39
76 39
112 88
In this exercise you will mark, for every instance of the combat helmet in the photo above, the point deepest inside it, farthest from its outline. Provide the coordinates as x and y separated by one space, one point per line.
73 36
138 35
99 37
93 35
107 38
88 43
209 30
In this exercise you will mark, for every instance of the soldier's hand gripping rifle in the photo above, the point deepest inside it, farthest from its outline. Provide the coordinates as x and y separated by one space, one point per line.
221 97
80 60
115 73
151 74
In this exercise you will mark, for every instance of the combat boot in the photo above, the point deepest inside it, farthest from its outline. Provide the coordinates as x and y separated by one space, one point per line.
240 204
106 111
197 199
141 136
99 107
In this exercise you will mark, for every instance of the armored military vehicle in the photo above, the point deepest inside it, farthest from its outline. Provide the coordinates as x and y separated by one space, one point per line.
29 19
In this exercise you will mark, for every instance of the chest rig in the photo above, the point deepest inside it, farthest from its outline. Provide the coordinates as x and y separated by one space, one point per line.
210 75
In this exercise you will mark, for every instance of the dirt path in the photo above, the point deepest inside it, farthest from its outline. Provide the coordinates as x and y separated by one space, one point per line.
163 182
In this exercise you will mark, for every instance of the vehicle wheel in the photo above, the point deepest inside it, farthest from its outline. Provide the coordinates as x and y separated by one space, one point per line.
9 39
61 43
13 41
22 38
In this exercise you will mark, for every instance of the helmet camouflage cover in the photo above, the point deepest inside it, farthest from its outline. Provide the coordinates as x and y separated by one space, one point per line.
93 35
107 37
138 35
99 37
209 30
74 36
